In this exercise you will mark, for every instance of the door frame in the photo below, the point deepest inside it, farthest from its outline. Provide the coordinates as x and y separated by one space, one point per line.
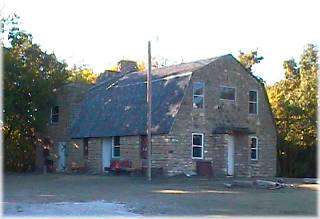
106 142
230 155
62 159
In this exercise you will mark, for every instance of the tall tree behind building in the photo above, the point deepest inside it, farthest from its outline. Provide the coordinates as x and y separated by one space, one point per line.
31 77
249 59
294 104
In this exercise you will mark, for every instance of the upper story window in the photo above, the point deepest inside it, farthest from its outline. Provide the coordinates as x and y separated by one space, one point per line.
227 93
55 114
197 145
253 102
198 95
116 147
254 148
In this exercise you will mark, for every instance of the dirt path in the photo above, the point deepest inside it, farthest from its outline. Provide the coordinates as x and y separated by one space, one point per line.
174 196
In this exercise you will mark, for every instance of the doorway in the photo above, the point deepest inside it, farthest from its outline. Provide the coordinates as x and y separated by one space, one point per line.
62 148
106 154
230 161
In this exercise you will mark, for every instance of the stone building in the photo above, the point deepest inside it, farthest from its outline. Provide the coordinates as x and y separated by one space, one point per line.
210 116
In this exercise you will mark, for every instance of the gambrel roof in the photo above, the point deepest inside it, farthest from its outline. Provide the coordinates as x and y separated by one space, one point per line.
119 108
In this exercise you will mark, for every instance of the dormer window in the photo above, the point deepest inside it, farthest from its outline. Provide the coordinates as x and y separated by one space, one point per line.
198 95
54 114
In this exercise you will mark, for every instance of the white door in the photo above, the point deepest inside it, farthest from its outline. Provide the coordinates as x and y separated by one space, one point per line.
62 147
106 153
230 155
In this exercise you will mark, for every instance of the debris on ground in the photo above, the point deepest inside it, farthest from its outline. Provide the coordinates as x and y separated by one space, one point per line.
229 185
190 173
264 184
243 183
267 184
239 183
19 209
310 180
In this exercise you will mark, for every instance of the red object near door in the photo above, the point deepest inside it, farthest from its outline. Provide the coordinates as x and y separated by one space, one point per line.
115 165
204 168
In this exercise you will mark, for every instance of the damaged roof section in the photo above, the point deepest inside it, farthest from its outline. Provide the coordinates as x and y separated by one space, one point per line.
121 109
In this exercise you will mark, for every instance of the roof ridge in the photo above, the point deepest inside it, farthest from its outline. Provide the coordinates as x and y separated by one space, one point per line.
157 71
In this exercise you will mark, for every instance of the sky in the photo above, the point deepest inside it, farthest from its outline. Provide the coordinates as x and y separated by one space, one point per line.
100 33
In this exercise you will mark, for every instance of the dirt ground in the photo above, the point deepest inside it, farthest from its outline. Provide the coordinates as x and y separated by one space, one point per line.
176 196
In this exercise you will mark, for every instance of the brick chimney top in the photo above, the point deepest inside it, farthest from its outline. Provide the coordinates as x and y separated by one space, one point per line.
127 66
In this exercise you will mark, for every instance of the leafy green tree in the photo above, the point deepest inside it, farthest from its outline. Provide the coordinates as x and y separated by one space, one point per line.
135 65
291 70
294 103
249 59
31 77
83 75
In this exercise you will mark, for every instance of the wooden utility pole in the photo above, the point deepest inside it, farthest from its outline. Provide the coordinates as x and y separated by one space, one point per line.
149 96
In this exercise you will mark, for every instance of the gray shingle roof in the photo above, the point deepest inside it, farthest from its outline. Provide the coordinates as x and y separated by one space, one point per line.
119 108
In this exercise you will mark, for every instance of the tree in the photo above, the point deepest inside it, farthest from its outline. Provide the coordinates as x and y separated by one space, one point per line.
82 74
291 70
294 104
249 59
31 77
133 66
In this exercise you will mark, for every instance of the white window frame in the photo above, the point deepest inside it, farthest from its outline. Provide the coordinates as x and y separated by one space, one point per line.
257 147
114 146
256 102
192 146
235 93
51 114
197 95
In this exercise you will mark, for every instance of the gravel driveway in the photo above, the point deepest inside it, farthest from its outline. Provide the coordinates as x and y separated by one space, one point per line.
58 194
94 208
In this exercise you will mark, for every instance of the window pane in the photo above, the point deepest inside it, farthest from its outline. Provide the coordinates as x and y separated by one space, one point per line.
55 114
55 110
253 108
198 102
116 151
116 140
227 93
253 154
253 96
55 118
253 143
197 140
198 88
197 152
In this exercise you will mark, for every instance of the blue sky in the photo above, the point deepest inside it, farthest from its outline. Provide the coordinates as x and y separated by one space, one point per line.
100 33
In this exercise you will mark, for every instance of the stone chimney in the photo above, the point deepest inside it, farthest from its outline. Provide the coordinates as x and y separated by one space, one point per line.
108 75
127 66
